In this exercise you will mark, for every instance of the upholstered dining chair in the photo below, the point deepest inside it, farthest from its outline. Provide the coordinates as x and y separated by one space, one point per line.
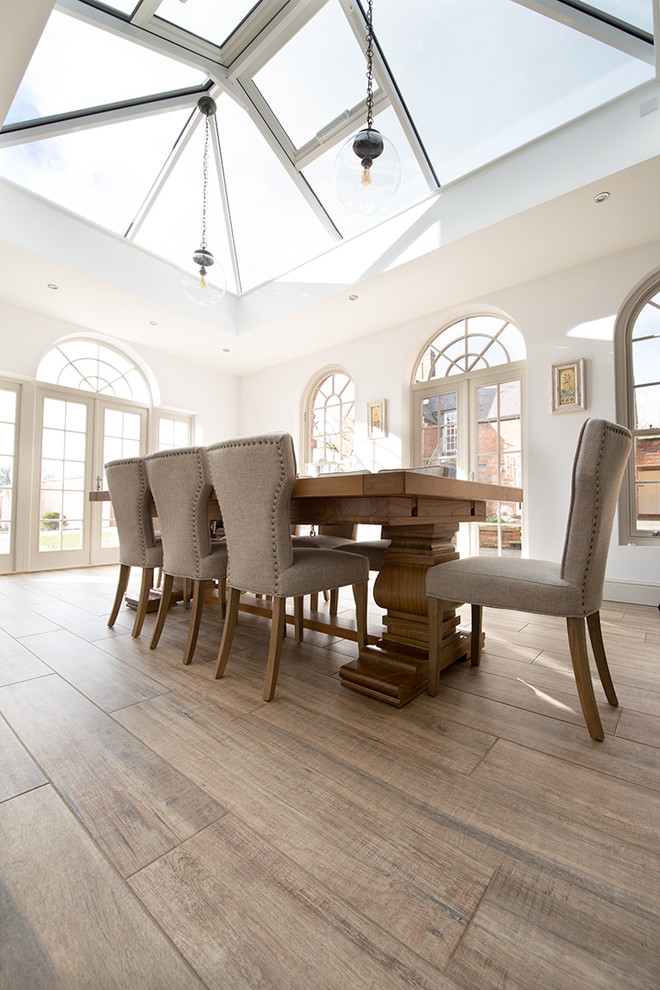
138 546
572 589
181 484
253 478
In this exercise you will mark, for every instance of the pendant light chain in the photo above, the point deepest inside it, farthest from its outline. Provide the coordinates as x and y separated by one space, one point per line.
205 182
370 58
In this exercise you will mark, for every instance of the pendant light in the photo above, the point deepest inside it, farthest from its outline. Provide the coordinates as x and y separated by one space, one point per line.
196 287
367 168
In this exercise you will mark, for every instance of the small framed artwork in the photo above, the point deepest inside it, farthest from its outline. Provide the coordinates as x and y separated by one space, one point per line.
568 386
376 424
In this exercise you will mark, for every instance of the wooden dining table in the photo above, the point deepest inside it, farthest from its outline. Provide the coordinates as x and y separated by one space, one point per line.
419 513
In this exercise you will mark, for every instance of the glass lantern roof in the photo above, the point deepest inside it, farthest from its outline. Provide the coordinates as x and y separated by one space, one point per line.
105 122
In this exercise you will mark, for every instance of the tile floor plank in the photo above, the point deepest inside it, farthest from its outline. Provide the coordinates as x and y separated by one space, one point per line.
133 803
253 920
68 920
523 937
19 771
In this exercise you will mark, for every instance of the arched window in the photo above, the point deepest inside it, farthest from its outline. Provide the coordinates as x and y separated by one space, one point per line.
94 367
638 407
468 416
331 422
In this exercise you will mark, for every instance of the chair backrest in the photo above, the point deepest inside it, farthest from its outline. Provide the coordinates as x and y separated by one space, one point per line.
600 461
131 503
181 484
253 478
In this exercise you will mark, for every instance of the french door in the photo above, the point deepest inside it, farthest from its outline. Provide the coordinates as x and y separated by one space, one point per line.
8 458
472 425
77 435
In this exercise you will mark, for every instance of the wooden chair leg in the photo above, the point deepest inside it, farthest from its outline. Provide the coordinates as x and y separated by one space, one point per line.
165 596
313 601
475 640
360 592
326 595
577 641
597 645
334 601
298 618
122 585
145 587
222 596
274 647
231 617
199 587
435 644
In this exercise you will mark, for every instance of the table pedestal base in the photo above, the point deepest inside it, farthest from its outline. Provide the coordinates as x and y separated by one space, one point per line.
395 670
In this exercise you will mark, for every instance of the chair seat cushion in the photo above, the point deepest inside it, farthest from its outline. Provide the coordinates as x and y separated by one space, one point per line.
315 570
506 582
373 550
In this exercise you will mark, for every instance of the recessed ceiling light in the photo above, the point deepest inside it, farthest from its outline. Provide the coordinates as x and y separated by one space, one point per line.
153 323
225 350
51 285
352 298
601 197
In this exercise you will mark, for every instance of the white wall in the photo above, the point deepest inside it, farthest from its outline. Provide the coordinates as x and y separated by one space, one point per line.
565 315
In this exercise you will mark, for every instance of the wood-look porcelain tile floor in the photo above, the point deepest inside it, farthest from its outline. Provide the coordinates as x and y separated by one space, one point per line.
160 829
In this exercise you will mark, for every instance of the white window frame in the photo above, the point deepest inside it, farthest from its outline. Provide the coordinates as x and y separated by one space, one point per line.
326 466
625 411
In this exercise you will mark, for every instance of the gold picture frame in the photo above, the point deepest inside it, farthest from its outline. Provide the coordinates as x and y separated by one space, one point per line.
376 423
568 386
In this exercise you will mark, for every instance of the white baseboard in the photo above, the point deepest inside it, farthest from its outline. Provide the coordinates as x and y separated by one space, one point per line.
632 592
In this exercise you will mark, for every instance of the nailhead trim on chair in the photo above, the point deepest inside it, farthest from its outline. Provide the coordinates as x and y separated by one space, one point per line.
593 524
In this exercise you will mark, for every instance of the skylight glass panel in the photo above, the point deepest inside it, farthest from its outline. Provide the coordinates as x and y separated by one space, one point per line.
639 13
173 226
485 77
316 76
274 227
76 66
101 173
208 19
413 187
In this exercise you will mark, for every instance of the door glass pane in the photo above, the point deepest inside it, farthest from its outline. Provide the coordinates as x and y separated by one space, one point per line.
647 482
7 441
440 430
121 438
499 462
64 444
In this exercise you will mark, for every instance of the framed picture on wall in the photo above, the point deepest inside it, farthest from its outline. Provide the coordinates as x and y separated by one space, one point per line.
568 386
376 424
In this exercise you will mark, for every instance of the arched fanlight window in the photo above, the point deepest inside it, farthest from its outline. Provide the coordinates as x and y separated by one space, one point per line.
331 421
94 367
471 344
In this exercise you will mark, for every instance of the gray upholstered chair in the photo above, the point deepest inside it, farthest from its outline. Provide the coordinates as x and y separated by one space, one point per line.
253 478
572 589
138 546
181 486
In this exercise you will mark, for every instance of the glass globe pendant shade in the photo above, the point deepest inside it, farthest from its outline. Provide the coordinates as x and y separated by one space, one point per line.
367 172
197 288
